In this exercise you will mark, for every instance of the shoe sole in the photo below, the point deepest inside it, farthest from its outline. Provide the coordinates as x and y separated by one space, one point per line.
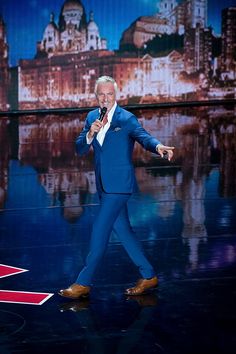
84 296
148 291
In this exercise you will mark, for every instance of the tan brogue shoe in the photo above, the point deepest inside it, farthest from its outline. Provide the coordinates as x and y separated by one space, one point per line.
142 287
75 291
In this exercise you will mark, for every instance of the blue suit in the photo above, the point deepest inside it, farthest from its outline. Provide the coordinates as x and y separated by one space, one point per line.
115 181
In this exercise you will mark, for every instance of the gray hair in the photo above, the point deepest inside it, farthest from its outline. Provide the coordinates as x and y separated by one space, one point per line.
103 79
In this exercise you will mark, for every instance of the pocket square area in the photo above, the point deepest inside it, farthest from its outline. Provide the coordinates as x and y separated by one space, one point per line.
117 129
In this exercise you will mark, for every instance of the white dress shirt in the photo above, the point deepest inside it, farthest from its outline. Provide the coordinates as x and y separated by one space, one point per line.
102 132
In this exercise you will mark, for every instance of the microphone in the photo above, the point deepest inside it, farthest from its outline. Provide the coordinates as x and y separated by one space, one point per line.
102 114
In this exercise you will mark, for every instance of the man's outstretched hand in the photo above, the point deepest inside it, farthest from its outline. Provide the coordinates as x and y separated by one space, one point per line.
165 151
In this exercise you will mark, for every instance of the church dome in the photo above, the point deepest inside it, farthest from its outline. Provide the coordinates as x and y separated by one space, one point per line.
51 26
72 5
92 26
72 12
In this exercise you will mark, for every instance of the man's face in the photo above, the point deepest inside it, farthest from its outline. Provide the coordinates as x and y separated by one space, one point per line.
106 95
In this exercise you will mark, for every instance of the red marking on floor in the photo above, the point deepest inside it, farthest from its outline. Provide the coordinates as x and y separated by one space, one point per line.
24 297
6 271
20 297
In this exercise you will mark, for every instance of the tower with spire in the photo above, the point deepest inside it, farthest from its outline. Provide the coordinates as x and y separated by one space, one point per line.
51 38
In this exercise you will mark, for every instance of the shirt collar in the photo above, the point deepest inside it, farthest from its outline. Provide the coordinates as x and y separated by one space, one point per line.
111 112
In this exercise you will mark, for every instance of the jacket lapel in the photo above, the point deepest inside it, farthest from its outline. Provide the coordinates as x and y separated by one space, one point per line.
115 119
114 122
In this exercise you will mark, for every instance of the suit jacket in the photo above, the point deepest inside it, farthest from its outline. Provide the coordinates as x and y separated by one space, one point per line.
114 168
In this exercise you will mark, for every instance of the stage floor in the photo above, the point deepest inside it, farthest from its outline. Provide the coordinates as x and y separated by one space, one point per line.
184 216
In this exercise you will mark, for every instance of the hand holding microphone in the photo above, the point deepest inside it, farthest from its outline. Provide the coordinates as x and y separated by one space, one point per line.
97 124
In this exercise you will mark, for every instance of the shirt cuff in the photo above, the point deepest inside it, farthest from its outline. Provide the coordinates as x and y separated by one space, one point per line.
158 145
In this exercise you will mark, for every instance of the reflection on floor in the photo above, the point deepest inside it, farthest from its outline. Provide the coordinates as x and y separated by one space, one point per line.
184 216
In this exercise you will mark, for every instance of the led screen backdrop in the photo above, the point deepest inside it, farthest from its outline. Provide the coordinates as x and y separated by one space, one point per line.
52 51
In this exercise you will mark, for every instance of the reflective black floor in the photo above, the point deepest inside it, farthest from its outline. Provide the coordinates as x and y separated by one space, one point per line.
184 216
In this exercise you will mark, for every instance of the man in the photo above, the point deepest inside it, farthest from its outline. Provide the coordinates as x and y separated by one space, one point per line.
113 141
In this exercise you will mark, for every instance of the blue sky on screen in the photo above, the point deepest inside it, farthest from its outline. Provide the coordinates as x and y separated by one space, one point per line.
27 19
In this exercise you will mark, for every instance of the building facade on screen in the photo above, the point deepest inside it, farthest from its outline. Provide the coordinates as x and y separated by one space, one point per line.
71 55
229 41
4 69
173 17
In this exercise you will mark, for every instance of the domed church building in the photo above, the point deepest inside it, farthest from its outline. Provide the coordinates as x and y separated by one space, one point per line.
73 34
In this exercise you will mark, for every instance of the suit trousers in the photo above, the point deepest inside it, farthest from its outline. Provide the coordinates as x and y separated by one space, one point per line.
113 215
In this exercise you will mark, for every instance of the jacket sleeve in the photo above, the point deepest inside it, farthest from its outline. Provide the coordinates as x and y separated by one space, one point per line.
140 135
81 142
